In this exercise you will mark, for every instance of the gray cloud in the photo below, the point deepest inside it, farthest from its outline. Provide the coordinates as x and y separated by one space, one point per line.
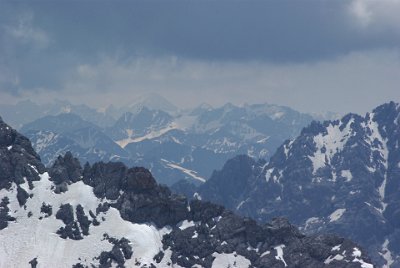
288 52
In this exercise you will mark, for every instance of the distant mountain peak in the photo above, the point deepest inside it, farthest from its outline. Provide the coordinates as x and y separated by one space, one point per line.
152 101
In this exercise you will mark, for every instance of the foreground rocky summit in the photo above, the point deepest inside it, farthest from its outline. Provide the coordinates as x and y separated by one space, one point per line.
107 215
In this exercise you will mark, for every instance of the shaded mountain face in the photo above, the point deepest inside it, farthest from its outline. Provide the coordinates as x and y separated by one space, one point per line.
132 127
55 135
25 112
106 214
188 145
337 176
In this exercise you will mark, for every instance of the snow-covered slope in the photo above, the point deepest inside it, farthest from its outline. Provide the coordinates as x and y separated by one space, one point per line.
108 215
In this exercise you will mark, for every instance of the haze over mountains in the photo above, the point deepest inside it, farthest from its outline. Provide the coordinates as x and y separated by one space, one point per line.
174 144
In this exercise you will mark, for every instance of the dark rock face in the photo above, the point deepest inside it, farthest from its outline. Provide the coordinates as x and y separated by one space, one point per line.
184 187
46 209
139 198
18 160
33 263
4 213
120 252
337 176
66 169
236 175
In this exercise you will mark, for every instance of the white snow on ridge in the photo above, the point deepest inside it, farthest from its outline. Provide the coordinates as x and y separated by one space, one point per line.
279 253
191 173
333 142
30 237
152 135
357 258
337 214
386 254
230 260
185 224
384 152
347 174
337 257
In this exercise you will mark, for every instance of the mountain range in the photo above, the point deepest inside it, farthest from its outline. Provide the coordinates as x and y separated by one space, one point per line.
339 176
174 145
109 215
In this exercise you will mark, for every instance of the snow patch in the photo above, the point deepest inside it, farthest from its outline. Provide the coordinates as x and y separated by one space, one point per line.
357 258
337 214
265 253
386 254
279 253
185 224
383 150
347 174
331 258
191 173
151 135
332 142
229 260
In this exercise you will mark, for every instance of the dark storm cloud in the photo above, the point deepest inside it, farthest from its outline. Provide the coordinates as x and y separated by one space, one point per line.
281 51
278 31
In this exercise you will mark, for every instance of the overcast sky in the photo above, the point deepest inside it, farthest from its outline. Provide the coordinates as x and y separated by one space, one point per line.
314 56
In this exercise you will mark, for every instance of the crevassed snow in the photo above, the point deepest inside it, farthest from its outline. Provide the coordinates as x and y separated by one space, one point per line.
386 254
333 142
189 172
279 253
337 214
347 174
230 260
30 237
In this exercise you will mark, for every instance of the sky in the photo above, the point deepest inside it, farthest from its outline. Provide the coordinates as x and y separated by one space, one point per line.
311 55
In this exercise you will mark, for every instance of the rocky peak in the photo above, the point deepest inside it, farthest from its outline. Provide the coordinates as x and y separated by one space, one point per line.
18 160
65 170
